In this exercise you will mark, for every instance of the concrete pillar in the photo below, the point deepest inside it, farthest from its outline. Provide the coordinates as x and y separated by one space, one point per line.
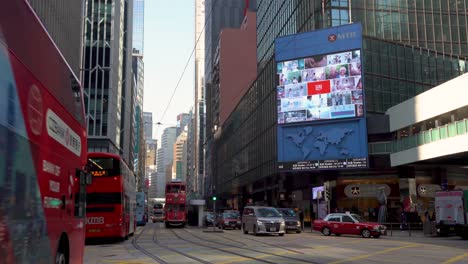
200 215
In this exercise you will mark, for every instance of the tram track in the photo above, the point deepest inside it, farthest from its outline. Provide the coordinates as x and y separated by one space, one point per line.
143 250
262 242
238 247
155 240
221 249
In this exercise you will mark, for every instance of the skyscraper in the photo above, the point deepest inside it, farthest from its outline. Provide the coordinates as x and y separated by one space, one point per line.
179 165
219 14
138 26
63 20
108 86
199 104
148 124
183 121
164 158
408 46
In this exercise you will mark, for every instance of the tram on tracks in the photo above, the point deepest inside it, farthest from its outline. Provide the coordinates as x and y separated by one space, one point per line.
175 207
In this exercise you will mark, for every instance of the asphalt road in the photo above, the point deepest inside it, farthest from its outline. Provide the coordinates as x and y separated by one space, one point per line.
156 244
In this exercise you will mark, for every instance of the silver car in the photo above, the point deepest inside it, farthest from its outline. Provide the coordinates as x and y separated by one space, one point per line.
262 220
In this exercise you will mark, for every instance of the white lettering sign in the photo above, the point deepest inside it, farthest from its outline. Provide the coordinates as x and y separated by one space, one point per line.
51 168
95 220
62 133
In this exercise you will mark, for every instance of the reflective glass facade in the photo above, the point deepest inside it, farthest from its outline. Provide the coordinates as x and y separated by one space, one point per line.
138 25
409 47
107 77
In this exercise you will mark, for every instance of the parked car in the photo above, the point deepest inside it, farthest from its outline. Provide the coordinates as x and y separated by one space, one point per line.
262 220
291 219
229 220
233 212
352 224
209 219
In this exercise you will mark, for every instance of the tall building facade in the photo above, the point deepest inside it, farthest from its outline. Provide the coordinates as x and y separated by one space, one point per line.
64 23
148 125
138 87
197 143
164 159
109 104
179 165
218 15
138 26
408 48
150 166
183 121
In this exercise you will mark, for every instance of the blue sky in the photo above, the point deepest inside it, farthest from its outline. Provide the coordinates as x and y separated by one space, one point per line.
168 43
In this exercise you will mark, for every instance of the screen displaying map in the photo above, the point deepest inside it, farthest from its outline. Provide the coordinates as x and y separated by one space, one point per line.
320 87
323 146
322 121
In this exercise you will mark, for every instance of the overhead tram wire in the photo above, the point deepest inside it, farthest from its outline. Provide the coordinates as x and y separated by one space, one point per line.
188 61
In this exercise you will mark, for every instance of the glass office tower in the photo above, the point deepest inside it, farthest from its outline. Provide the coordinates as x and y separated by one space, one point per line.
409 47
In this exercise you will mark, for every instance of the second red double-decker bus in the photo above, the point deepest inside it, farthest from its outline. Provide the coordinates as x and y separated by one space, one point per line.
175 208
111 198
42 145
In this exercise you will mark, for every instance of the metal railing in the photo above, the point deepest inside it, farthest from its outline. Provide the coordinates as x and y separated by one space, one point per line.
409 227
424 137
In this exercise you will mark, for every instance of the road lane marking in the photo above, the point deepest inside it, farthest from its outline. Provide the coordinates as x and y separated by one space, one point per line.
373 254
456 258
239 259
136 261
339 244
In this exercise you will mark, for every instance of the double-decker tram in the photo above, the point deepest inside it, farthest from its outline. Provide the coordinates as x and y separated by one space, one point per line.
175 207
42 145
111 198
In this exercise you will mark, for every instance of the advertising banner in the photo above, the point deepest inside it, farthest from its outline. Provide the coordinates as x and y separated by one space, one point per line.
321 111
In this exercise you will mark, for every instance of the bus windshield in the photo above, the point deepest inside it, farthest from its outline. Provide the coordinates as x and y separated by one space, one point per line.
176 188
100 167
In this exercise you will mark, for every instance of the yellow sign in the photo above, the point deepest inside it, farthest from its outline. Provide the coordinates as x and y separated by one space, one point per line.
99 173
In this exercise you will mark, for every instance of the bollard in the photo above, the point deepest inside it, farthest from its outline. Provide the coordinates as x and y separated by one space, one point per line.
391 229
409 229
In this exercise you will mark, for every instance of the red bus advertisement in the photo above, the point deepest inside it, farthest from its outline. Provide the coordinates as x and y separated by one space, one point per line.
43 145
175 208
111 198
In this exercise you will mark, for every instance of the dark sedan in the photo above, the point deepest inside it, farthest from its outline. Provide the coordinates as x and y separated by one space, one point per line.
229 220
291 220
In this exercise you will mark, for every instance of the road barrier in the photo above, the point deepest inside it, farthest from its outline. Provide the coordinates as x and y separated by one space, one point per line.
410 227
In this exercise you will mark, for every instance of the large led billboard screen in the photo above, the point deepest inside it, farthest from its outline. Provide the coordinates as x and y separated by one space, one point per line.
321 87
320 100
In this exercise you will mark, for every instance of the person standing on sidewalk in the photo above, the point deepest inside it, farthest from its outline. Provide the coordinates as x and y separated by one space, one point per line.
301 218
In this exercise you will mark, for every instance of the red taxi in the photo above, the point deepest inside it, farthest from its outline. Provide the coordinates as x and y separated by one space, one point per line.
349 224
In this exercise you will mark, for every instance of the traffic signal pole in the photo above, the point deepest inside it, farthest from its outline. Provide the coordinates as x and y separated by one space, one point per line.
214 210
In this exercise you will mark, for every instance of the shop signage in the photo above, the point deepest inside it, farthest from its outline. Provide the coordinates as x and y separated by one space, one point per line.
365 190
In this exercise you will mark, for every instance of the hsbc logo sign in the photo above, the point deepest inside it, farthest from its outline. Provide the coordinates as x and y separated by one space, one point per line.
341 36
95 220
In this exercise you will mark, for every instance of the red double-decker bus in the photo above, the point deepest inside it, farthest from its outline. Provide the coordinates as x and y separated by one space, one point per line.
111 198
175 208
42 145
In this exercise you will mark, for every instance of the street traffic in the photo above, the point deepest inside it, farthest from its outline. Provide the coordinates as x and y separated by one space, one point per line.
156 244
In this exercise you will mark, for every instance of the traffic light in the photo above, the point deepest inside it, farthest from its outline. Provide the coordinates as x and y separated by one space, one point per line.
214 198
327 194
